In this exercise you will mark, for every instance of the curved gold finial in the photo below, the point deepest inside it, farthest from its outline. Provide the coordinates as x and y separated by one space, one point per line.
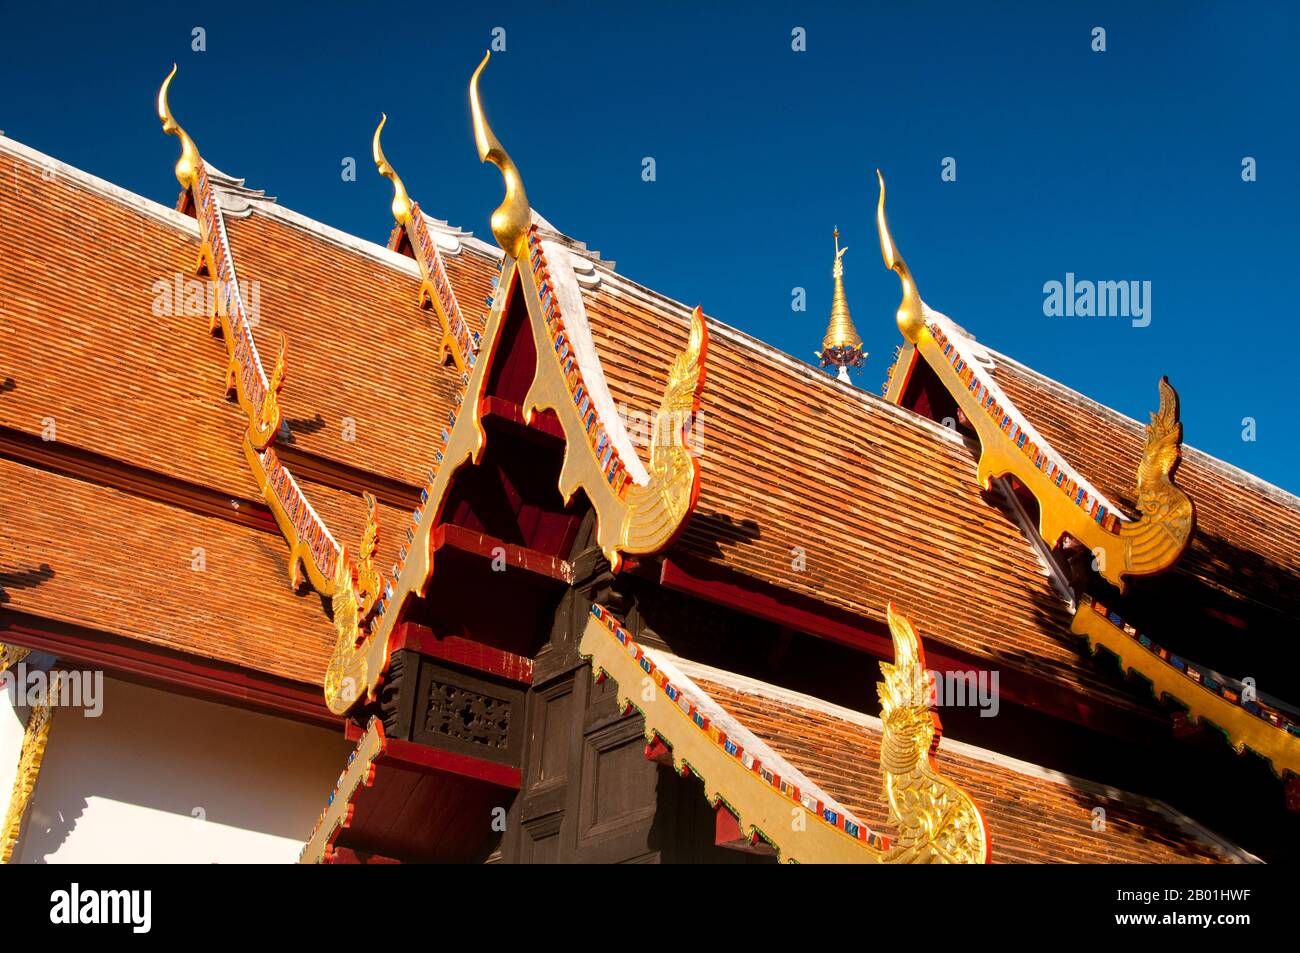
911 313
401 201
188 164
511 219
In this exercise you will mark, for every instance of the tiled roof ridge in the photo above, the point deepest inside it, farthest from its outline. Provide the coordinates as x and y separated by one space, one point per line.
955 343
156 210
347 240
574 245
618 282
1211 462
752 686
354 243
246 200
621 284
236 188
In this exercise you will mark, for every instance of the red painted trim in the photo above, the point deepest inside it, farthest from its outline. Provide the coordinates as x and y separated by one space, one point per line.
172 671
907 376
727 833
726 828
752 597
412 756
499 408
658 752
466 652
480 544
346 855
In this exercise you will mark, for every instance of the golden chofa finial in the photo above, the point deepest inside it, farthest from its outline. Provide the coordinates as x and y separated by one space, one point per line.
401 201
511 219
188 164
841 346
911 313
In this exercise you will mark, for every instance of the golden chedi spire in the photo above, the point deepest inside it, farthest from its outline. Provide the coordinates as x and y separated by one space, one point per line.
841 346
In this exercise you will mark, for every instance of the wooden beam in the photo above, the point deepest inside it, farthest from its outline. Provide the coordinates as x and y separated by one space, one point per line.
461 651
157 667
761 600
476 543
416 757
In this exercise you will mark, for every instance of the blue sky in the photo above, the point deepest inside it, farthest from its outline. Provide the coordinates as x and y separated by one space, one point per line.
1122 165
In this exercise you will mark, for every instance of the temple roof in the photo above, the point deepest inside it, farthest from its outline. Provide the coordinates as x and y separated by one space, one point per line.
881 502
1247 539
1034 815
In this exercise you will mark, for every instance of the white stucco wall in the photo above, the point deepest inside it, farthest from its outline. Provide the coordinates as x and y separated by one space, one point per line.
165 778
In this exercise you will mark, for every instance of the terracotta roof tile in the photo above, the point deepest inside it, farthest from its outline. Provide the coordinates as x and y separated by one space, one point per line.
1033 815
884 504
122 564
359 346
1247 538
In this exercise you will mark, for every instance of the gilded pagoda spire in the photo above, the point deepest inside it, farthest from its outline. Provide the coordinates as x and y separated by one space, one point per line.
841 346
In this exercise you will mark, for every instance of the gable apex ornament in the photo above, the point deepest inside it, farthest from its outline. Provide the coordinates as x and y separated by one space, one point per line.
1011 446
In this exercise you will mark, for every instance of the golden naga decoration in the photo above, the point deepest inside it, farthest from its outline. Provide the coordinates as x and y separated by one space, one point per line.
313 553
911 312
1245 722
657 510
512 217
639 511
370 582
354 595
245 377
35 737
401 200
937 822
1168 515
346 674
770 797
187 166
266 424
458 341
1009 445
